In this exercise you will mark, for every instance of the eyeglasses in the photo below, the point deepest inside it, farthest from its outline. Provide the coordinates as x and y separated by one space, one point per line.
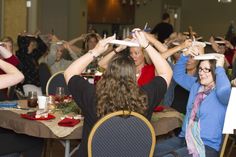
205 70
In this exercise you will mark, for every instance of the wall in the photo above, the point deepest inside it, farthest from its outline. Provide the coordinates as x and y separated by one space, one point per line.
32 14
207 17
53 17
151 13
1 18
14 17
66 18
77 18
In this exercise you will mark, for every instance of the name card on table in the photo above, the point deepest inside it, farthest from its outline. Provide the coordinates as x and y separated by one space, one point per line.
230 117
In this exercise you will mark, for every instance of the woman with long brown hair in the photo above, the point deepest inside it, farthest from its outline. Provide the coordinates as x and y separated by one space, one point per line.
117 89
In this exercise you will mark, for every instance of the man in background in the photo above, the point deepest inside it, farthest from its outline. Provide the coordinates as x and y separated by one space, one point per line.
163 29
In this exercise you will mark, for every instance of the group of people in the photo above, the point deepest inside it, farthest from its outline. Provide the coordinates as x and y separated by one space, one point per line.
209 90
135 79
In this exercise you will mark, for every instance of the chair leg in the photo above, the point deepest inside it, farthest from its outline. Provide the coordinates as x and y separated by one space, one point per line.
224 145
48 148
231 147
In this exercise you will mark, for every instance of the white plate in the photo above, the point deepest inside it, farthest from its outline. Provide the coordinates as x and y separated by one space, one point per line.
60 42
123 42
30 35
198 43
206 42
218 42
206 56
176 43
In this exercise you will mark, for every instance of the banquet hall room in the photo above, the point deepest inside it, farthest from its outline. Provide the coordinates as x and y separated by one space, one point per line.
69 19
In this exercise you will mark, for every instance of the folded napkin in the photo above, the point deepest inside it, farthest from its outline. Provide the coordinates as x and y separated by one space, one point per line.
159 108
68 122
8 104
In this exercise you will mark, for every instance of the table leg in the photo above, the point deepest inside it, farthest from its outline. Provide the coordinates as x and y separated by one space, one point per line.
67 148
66 144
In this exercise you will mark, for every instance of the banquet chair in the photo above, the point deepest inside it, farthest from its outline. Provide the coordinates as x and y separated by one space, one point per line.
122 133
56 80
44 76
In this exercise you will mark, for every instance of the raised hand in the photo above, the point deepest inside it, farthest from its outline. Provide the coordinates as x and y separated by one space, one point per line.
103 45
220 60
139 35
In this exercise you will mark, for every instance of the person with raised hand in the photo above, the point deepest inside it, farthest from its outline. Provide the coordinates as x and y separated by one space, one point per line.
117 89
12 75
11 142
201 133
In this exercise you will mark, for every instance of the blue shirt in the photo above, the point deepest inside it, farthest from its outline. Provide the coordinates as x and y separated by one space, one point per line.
212 110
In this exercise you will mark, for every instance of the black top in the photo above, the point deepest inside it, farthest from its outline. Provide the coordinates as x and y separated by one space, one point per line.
180 99
84 95
163 31
29 62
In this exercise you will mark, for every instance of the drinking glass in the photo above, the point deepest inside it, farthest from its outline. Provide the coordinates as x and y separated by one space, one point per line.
32 99
60 94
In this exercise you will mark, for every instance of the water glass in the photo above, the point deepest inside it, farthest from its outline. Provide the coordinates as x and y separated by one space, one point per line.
60 94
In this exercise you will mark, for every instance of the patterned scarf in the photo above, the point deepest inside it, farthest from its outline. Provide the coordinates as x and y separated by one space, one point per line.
194 142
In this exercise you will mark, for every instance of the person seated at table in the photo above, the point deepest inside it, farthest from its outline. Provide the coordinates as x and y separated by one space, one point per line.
12 142
145 70
7 54
201 133
117 89
30 49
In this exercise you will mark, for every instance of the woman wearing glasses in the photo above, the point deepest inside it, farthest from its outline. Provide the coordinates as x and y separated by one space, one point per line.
201 133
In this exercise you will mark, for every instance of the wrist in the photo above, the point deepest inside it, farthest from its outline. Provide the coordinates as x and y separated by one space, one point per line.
93 54
115 51
146 46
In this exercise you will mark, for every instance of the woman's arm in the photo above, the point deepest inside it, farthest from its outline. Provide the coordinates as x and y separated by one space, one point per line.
104 61
223 87
175 49
12 76
71 52
78 66
161 66
80 38
156 43
180 76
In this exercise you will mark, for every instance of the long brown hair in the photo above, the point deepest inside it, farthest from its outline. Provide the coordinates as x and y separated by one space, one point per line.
118 90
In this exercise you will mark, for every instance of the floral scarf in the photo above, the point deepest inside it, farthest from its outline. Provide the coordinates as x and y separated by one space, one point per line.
194 142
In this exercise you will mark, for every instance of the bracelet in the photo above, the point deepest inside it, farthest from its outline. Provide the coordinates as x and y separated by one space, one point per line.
94 56
147 46
115 51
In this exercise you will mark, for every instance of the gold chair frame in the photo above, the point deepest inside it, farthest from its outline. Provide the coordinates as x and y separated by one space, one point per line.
122 113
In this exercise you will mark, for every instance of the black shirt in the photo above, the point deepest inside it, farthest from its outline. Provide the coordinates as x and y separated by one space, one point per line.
162 31
84 95
180 99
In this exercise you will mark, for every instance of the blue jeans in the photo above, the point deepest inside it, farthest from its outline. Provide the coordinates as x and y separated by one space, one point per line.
177 146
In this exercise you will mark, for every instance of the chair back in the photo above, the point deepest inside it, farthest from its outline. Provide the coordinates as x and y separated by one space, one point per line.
122 133
234 70
44 76
56 80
